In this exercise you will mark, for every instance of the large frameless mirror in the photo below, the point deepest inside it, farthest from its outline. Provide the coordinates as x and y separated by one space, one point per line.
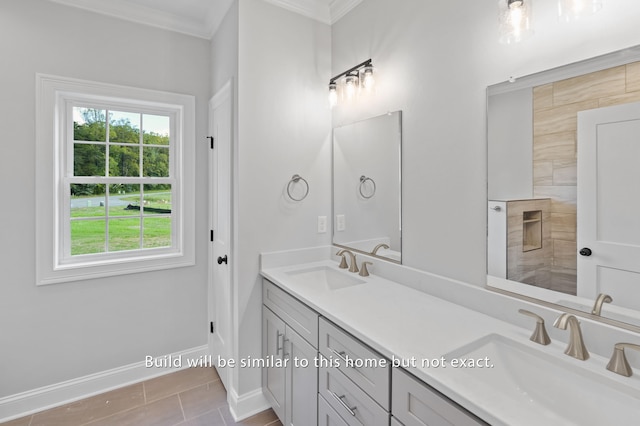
563 178
367 186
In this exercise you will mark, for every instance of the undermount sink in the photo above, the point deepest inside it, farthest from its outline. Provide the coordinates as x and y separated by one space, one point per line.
325 276
525 382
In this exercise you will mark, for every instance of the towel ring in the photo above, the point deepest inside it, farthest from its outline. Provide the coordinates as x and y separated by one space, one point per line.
363 180
295 179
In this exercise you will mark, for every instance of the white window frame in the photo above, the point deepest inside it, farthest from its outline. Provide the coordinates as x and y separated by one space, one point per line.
55 97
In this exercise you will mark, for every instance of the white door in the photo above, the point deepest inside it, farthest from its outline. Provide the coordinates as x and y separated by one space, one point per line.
609 203
220 290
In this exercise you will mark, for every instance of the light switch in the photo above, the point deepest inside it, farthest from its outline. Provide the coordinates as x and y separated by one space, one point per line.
322 224
340 222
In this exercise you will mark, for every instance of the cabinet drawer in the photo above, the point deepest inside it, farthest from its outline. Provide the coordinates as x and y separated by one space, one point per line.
327 416
417 404
296 314
348 400
335 344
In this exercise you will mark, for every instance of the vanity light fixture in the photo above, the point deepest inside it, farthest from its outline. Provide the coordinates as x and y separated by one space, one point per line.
572 10
350 82
515 20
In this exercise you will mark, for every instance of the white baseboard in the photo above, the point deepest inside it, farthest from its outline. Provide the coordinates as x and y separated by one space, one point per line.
247 404
33 401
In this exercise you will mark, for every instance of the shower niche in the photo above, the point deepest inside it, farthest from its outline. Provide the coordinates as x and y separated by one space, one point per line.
520 240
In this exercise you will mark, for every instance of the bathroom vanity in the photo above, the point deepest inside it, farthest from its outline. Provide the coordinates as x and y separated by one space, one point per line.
328 376
388 349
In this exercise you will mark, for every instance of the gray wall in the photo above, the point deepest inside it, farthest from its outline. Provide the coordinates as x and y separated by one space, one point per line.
54 333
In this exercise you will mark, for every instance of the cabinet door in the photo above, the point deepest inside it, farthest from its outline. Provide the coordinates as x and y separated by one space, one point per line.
301 381
273 378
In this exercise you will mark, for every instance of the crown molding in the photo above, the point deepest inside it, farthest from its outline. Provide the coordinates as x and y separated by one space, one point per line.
339 8
325 11
129 11
314 9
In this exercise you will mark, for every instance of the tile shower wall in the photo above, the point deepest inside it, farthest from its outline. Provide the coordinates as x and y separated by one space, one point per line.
555 108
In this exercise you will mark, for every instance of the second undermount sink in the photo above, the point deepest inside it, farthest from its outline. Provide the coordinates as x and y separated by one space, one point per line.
325 276
527 383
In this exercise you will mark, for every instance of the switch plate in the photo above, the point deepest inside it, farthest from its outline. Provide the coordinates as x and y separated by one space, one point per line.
322 224
340 222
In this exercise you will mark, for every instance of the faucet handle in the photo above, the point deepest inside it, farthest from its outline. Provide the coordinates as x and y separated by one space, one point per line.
343 262
364 272
618 362
540 333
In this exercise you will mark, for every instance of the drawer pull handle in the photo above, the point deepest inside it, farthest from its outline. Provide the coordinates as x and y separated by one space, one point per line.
278 347
339 355
284 354
340 399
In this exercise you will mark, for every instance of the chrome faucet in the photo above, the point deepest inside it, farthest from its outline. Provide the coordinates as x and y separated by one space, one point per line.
540 333
602 298
618 363
378 247
576 347
343 264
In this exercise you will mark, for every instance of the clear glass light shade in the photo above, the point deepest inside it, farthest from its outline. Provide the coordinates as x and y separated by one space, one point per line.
367 77
333 95
571 10
350 86
514 20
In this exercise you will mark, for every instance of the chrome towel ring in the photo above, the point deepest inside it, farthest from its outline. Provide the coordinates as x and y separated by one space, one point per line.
295 179
363 180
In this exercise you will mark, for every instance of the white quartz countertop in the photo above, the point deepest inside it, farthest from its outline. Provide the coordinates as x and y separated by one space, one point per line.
404 323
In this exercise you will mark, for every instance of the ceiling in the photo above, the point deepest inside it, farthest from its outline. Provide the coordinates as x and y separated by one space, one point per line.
201 18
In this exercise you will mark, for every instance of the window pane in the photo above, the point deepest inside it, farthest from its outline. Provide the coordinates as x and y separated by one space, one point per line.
87 236
124 200
124 234
88 159
155 129
89 124
157 232
124 127
157 199
87 200
155 161
124 160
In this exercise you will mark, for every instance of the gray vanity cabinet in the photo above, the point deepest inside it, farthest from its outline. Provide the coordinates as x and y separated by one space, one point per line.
335 392
290 389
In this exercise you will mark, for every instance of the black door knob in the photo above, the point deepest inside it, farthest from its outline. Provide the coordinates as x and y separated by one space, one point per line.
585 251
222 260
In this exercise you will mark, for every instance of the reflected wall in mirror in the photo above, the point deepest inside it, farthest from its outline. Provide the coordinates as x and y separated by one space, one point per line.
367 186
563 169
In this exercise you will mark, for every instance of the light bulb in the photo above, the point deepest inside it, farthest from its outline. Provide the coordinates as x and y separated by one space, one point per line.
351 84
368 80
333 95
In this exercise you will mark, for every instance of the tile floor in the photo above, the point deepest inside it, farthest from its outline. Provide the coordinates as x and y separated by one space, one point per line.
190 397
